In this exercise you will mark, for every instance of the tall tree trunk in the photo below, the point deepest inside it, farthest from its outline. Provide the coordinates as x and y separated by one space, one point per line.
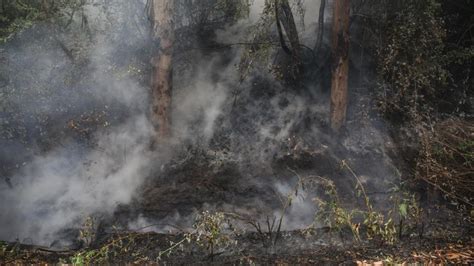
162 66
284 17
340 68
319 40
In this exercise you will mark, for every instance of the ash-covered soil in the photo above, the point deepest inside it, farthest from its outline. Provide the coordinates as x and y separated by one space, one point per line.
320 247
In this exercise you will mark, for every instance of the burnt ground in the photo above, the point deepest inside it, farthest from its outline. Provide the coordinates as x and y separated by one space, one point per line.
296 247
443 236
223 180
250 192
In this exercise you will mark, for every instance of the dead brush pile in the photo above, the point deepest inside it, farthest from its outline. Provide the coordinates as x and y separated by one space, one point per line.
447 159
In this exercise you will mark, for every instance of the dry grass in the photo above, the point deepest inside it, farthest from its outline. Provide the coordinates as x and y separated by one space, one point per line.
447 159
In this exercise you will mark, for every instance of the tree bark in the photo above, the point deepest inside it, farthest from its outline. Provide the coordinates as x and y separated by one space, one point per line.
284 17
319 40
340 68
162 66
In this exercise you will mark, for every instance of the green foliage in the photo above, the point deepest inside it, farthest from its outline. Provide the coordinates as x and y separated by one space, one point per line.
234 9
114 249
87 233
446 160
3 249
89 257
408 210
411 61
209 14
261 40
332 214
9 252
210 231
424 59
17 15
378 226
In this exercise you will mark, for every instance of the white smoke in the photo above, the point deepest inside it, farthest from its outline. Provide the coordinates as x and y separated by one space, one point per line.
63 187
57 190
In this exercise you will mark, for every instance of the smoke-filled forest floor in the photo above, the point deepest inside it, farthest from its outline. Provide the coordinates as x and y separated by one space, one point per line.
243 234
240 222
252 170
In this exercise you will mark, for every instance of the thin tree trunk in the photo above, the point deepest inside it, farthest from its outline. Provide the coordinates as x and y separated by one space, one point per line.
162 66
319 40
340 69
284 17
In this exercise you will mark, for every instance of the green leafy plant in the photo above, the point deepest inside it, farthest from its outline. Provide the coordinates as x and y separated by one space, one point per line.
88 257
332 214
411 63
3 249
407 208
118 245
211 231
377 225
17 15
10 251
87 233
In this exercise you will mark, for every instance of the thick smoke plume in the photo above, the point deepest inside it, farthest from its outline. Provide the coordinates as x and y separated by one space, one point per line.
67 75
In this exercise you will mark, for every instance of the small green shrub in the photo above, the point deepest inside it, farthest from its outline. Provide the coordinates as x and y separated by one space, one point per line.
211 231
378 226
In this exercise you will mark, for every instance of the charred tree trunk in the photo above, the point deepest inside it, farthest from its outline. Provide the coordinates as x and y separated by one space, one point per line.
284 17
319 40
162 66
340 68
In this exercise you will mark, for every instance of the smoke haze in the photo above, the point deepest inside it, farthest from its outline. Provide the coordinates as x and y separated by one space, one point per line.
105 69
